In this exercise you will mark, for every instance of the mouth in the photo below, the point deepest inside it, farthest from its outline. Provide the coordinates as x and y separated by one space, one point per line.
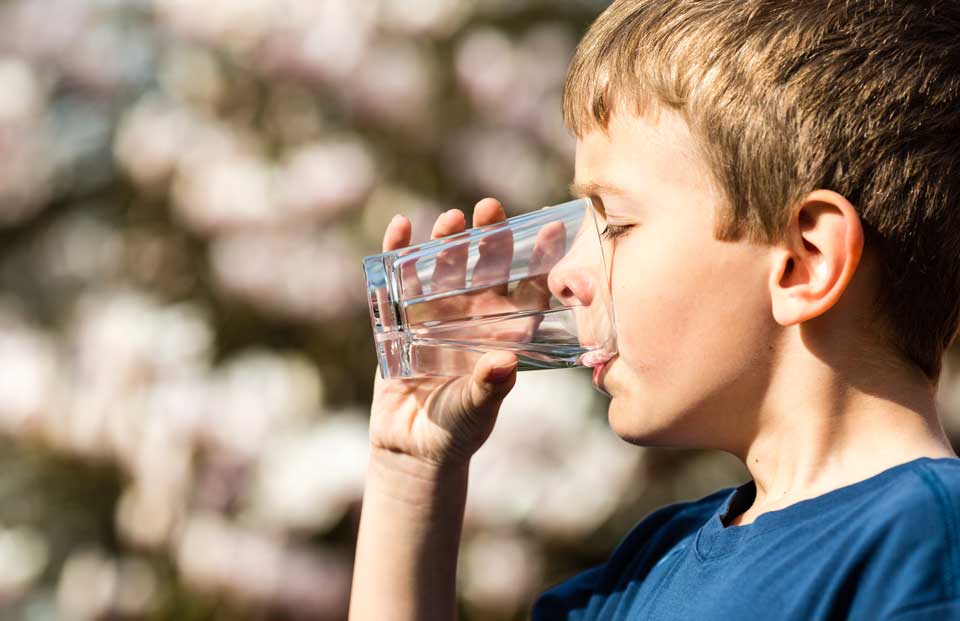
599 361
598 372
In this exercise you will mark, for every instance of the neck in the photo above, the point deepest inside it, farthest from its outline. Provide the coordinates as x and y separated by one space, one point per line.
818 429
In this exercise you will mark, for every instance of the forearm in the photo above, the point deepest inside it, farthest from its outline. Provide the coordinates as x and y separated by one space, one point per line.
409 537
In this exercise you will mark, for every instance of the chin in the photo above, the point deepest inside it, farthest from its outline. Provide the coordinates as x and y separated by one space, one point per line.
625 421
636 424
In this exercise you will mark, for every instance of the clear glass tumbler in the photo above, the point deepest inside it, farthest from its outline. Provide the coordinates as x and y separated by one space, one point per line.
536 284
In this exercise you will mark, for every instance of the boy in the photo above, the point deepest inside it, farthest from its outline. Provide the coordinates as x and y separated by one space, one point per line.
781 184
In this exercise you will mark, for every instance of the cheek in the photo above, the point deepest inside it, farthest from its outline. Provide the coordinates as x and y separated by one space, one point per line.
655 301
682 311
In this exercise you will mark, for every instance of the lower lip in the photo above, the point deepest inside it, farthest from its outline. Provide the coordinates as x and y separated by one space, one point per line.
597 374
597 370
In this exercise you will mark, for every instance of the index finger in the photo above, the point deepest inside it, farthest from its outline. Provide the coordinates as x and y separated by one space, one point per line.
395 237
397 234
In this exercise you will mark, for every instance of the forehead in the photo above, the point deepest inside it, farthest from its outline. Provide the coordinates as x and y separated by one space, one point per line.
653 149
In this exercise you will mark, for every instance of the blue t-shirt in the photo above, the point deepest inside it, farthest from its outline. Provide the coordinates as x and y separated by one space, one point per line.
883 549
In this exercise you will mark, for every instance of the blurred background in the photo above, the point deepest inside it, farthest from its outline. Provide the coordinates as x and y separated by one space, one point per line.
186 190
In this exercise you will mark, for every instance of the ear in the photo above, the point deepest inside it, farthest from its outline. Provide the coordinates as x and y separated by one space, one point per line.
817 259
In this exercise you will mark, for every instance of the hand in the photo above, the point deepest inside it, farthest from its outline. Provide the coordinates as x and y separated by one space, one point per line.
444 420
454 324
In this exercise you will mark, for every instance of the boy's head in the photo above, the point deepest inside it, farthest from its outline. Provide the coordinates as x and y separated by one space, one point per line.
763 146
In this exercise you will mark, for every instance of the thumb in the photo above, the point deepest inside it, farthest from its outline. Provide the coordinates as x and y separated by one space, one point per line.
493 377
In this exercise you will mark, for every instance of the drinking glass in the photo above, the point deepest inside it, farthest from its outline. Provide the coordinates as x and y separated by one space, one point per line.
536 284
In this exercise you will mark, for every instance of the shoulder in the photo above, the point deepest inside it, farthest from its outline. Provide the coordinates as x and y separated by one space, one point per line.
652 536
928 487
929 508
910 532
940 476
921 502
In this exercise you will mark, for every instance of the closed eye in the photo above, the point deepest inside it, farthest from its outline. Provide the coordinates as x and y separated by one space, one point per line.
613 231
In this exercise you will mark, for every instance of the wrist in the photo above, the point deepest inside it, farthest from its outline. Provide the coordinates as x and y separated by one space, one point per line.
414 480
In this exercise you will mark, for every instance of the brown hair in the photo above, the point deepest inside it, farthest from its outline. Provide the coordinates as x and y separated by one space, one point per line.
786 96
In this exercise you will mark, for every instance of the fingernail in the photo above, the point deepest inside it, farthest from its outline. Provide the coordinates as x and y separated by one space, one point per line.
395 218
500 373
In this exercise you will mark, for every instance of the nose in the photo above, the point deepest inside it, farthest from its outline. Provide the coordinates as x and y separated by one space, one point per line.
573 280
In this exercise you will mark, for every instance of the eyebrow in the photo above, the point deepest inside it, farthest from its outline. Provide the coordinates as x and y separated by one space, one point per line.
593 188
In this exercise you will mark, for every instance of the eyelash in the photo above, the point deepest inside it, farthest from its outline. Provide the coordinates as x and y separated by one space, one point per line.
613 231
